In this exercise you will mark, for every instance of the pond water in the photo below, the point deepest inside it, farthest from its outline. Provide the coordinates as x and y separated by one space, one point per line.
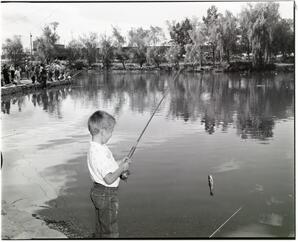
239 128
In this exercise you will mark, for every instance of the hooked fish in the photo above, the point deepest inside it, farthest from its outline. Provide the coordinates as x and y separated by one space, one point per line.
211 184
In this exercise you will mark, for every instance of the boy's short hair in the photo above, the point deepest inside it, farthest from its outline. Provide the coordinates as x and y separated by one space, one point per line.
100 120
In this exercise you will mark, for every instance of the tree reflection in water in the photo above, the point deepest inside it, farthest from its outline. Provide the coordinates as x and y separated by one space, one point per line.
49 100
250 103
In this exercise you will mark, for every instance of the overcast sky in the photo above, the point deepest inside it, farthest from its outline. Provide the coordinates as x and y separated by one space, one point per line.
78 18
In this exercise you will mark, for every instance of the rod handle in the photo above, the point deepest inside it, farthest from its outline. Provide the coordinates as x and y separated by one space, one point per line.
124 175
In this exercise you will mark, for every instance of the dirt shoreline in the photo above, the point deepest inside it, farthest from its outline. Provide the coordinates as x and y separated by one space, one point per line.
18 224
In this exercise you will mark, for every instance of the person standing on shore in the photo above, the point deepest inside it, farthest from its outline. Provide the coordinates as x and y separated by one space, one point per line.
32 74
57 72
43 76
37 73
50 73
18 75
12 72
27 71
105 173
5 73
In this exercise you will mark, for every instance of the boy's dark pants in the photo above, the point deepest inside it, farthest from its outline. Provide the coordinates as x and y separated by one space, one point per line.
106 203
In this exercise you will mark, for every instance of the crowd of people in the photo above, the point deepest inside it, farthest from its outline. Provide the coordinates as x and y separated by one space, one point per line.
37 73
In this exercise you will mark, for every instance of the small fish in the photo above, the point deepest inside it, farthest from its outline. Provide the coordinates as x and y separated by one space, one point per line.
211 184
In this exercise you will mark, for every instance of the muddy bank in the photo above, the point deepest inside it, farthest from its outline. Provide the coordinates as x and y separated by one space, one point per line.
18 224
72 212
61 220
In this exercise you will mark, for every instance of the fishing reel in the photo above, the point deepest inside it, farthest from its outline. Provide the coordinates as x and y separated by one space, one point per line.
124 175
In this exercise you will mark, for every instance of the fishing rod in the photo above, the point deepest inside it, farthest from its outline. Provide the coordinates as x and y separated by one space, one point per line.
125 174
225 222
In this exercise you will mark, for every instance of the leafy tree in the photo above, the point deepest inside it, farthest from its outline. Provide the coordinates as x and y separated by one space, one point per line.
46 48
119 51
211 22
264 17
194 51
156 35
245 25
212 15
179 34
74 50
173 54
155 53
13 48
228 34
138 41
106 51
90 45
283 38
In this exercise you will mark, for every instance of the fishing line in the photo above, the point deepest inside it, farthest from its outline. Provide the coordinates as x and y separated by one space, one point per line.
225 222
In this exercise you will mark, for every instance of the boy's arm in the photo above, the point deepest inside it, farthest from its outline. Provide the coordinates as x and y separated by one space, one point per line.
113 176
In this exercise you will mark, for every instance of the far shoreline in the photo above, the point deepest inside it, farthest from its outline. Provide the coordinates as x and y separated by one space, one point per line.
234 67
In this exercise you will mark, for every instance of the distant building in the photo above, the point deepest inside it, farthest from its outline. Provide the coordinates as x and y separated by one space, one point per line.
59 47
61 50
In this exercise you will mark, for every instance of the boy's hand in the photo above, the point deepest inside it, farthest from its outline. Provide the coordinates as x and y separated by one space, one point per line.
125 166
125 163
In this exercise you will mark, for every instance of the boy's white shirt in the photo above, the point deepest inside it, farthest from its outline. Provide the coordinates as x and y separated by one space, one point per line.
100 163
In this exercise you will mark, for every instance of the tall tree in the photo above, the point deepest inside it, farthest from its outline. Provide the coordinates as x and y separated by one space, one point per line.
194 51
283 38
264 17
245 25
46 43
119 42
13 48
106 51
138 41
228 34
90 45
179 34
74 50
211 22
155 52
156 35
173 55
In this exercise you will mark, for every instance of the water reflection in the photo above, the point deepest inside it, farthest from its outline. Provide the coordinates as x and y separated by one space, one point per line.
49 100
251 104
5 106
271 219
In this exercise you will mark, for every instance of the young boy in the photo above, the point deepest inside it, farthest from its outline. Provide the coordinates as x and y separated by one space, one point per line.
104 172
